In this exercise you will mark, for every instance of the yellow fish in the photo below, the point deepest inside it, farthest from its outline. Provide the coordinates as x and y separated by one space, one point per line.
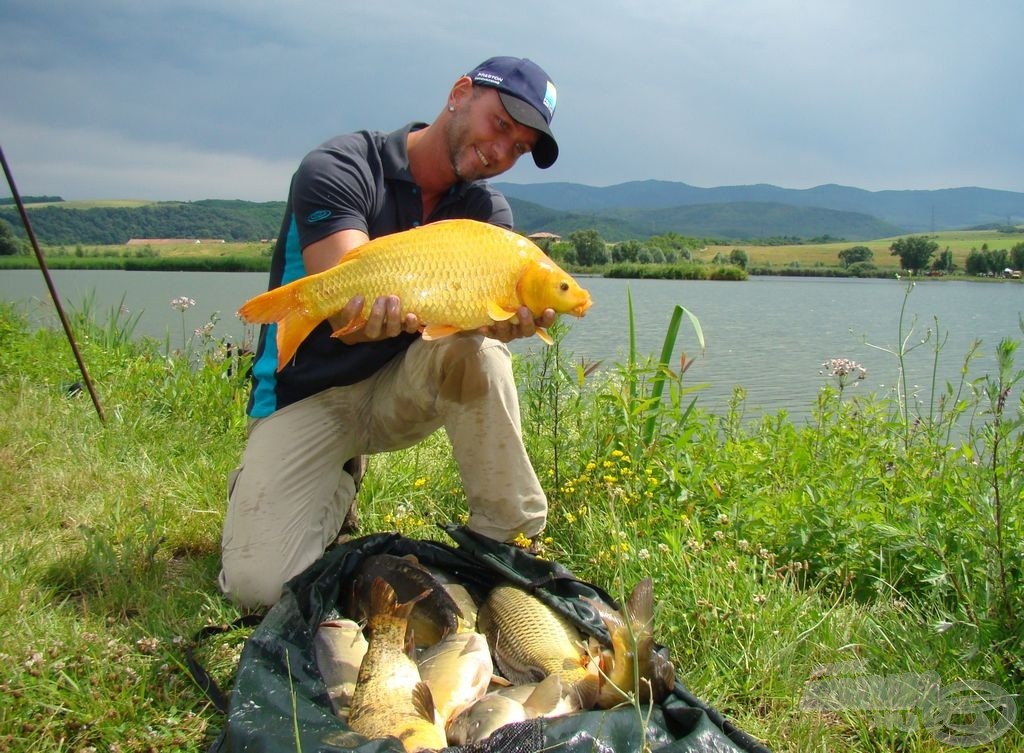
455 275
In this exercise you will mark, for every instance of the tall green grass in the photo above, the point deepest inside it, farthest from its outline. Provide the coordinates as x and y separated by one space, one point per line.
877 539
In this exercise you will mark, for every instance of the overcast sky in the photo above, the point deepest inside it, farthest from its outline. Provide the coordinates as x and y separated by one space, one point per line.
193 99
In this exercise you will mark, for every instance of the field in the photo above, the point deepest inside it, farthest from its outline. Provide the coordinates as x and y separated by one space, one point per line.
960 242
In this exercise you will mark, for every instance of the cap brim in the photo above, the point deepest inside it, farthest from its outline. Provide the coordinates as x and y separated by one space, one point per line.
545 151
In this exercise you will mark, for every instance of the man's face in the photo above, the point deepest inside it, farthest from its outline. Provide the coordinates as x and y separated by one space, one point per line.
483 139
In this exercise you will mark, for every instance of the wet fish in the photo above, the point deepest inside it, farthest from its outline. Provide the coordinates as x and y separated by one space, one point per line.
457 670
460 595
632 665
478 721
339 648
433 617
454 275
390 699
530 642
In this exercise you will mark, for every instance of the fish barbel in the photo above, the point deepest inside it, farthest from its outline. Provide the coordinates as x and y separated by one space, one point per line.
632 665
455 275
339 648
390 699
530 642
457 670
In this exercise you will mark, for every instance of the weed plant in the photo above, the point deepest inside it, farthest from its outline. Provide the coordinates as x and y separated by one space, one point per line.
879 541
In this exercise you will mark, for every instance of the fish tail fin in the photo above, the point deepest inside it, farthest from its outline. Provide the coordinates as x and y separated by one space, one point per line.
384 601
281 306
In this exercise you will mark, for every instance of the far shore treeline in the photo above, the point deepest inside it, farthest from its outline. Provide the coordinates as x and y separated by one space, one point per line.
237 236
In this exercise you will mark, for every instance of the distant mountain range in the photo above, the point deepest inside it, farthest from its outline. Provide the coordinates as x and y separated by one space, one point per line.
625 211
643 208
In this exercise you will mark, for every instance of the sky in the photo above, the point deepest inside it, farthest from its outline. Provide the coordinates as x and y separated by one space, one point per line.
195 99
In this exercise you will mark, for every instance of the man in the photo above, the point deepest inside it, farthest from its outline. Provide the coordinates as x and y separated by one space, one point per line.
383 388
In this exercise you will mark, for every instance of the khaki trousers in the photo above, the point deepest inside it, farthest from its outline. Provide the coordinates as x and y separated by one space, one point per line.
288 498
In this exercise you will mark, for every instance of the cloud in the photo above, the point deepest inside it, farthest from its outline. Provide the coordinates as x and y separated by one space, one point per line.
915 94
87 163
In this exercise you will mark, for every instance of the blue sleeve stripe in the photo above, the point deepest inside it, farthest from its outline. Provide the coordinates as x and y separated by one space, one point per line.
264 371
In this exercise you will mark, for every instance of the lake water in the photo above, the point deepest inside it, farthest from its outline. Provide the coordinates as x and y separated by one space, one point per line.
769 334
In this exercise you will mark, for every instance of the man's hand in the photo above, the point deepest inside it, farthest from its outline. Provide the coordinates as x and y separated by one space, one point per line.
521 325
385 320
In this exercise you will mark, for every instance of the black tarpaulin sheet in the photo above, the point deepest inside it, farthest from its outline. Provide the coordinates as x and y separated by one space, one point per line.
279 701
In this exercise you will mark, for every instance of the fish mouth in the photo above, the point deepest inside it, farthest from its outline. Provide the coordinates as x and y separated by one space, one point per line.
581 309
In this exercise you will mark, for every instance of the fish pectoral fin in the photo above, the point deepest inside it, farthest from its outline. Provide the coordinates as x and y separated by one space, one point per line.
353 326
498 313
423 701
543 335
437 331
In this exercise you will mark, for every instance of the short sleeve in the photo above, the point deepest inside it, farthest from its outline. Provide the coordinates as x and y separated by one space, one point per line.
335 188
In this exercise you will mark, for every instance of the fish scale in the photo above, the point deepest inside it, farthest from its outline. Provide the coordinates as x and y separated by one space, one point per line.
455 275
531 642
432 276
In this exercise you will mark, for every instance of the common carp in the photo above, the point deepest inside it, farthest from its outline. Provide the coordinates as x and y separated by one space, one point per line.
530 642
339 648
455 275
479 720
433 616
457 670
632 665
390 699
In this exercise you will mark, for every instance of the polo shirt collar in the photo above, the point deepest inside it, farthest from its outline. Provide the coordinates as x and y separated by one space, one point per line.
394 156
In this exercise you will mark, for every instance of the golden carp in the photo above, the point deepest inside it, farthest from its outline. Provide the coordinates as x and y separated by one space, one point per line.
530 642
390 699
457 670
455 275
632 665
339 648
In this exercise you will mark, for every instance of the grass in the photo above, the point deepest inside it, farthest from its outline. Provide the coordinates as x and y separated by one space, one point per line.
870 542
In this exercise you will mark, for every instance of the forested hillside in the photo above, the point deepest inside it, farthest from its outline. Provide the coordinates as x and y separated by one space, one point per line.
210 218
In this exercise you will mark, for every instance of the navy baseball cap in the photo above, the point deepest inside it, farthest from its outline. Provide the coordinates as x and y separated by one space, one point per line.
528 95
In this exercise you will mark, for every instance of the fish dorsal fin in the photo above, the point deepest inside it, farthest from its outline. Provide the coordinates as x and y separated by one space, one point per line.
640 606
498 313
437 331
543 335
423 701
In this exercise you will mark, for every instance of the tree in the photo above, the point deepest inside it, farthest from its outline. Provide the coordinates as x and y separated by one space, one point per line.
855 255
590 248
739 257
9 244
944 262
1017 256
627 251
915 251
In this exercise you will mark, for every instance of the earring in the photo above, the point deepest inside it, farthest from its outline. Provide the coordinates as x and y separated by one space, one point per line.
451 108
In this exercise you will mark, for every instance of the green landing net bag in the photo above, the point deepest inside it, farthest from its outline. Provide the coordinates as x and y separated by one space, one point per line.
280 703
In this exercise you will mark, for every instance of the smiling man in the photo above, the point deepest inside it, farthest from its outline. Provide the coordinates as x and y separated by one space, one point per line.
384 388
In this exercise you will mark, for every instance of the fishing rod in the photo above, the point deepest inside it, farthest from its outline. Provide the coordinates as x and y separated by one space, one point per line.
49 284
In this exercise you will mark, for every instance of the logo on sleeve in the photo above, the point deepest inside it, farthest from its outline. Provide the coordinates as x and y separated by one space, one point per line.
318 216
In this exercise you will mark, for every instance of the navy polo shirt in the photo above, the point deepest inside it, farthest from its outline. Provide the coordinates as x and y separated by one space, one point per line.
359 181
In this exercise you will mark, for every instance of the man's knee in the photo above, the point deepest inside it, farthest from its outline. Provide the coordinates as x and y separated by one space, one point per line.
471 368
251 586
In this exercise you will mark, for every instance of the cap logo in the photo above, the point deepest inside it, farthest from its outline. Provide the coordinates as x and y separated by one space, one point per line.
490 78
549 98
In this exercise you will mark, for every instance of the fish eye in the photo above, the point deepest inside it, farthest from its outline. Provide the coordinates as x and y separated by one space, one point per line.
563 286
